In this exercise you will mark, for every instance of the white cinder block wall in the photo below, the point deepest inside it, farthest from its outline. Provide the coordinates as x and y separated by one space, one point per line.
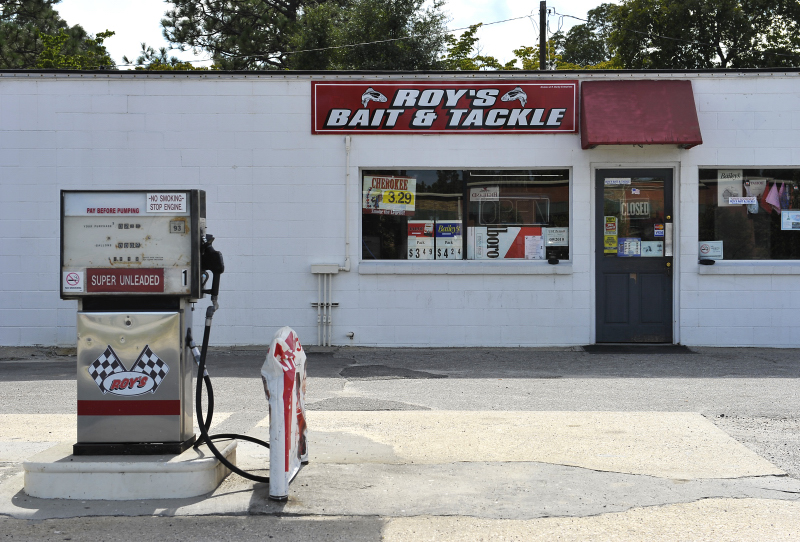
276 203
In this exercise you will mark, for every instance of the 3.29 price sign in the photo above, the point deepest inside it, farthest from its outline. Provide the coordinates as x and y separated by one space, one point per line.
388 195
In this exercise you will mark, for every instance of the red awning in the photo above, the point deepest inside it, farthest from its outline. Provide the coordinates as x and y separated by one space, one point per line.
638 113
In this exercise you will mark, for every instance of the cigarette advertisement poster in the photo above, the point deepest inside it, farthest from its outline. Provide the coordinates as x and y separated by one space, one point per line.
499 242
729 185
388 195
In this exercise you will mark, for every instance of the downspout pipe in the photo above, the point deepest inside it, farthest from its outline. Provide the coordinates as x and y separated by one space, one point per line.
346 266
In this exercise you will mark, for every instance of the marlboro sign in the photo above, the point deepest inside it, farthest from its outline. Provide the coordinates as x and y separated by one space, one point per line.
444 107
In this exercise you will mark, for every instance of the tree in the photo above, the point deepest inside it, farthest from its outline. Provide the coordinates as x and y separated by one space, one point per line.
239 34
369 35
22 25
56 56
703 34
586 45
310 34
150 59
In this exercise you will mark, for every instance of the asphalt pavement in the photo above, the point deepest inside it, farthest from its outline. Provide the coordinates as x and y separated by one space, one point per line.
460 444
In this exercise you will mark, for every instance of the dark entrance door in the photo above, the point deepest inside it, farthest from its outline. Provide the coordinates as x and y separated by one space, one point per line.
633 248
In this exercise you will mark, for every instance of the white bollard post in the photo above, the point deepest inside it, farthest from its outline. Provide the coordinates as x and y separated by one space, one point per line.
284 377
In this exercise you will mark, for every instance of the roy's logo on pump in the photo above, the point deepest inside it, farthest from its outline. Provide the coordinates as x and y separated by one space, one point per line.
111 376
444 107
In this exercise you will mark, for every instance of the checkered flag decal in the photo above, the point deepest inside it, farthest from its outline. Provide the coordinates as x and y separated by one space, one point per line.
151 365
107 364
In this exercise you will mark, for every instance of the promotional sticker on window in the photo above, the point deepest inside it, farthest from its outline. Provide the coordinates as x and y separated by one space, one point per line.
658 230
556 237
611 226
652 249
790 220
534 247
617 181
389 195
610 244
484 193
710 250
629 247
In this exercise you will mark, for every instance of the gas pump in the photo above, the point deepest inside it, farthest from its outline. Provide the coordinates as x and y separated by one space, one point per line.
132 260
136 261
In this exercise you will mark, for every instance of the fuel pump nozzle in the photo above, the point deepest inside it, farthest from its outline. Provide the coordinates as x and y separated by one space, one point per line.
211 260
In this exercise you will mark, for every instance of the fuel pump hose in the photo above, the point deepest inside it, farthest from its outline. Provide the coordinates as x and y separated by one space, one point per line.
203 422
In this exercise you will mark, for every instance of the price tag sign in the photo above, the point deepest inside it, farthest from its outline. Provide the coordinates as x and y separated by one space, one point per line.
403 197
448 249
420 248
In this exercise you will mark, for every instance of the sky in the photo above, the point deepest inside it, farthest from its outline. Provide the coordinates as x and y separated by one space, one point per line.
137 21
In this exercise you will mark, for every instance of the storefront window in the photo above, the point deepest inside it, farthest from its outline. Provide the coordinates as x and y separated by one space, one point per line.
465 214
749 214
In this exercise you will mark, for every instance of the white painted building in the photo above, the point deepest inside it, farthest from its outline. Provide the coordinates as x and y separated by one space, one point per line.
282 199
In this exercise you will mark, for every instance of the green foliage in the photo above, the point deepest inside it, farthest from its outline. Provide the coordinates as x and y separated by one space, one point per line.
239 34
22 25
397 35
586 45
56 55
264 34
150 59
703 34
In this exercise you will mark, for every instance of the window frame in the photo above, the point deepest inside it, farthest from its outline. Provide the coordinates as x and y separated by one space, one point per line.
739 266
510 266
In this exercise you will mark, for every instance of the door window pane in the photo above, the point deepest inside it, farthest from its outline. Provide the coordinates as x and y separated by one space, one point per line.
633 217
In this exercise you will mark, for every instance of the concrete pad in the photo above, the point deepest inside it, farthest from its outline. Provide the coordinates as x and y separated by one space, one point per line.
664 444
711 520
57 474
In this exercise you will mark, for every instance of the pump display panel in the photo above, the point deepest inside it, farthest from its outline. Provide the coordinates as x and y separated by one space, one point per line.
143 242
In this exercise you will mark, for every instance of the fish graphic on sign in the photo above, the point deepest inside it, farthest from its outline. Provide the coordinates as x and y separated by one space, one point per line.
515 94
372 95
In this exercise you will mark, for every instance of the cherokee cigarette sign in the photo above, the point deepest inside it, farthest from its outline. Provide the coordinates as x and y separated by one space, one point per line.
444 107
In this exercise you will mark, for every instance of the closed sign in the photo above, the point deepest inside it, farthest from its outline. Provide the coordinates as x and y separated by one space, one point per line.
636 208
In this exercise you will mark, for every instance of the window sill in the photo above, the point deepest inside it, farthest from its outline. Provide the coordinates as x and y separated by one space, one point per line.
742 267
464 267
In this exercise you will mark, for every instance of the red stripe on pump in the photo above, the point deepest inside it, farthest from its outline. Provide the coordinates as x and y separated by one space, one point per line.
129 408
